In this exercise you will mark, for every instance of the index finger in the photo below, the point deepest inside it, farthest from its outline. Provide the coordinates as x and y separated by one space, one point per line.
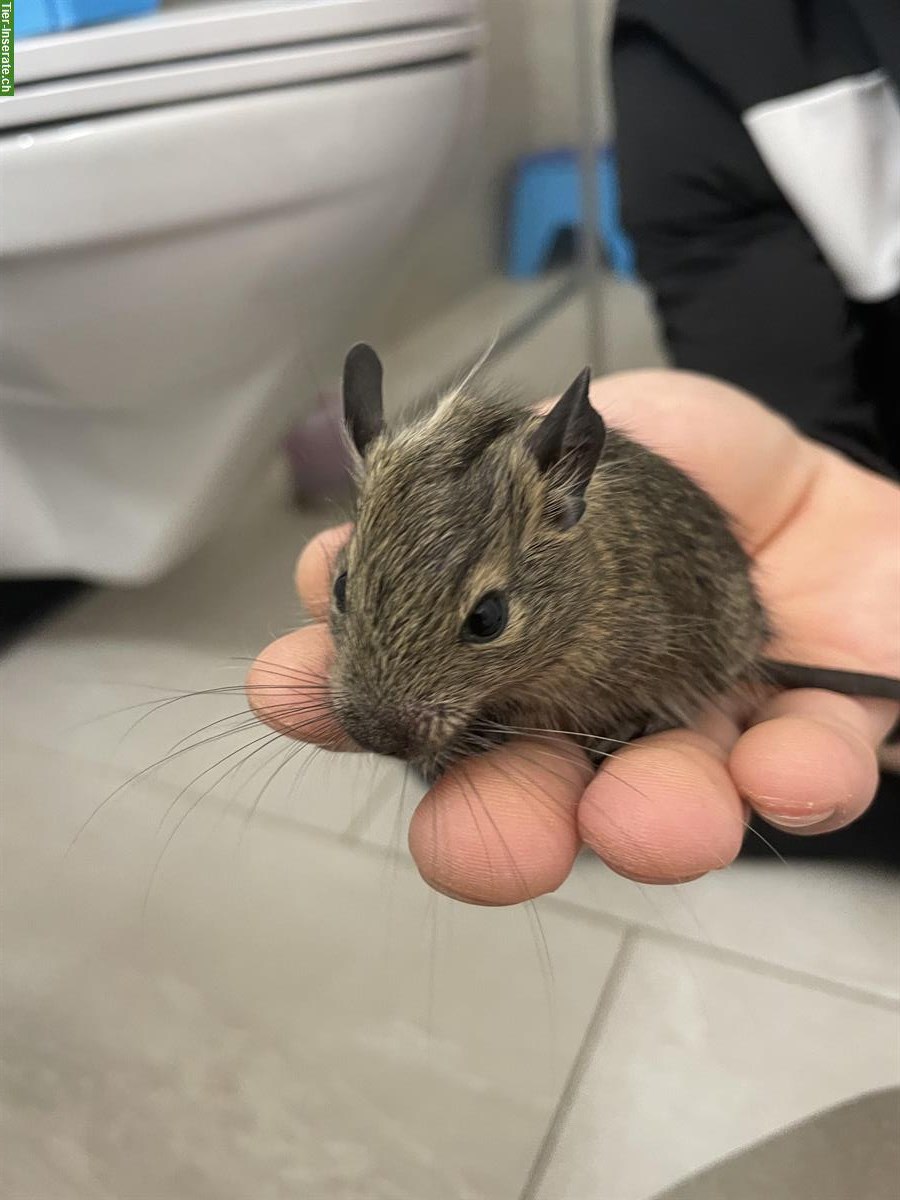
312 574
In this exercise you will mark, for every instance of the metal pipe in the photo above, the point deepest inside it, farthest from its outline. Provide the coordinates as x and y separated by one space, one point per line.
588 102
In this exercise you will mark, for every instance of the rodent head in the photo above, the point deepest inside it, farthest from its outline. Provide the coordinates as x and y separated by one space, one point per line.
458 586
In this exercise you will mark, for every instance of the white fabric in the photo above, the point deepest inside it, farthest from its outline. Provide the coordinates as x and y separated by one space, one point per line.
835 153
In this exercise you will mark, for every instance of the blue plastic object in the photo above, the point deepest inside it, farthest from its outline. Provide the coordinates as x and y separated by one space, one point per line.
34 17
545 201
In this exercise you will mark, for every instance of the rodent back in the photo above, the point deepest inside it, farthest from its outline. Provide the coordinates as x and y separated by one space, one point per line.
684 599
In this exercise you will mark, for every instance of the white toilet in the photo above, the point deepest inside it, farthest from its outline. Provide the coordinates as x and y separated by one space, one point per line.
191 204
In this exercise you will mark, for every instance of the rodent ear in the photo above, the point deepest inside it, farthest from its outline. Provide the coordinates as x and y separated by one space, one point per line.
363 404
569 442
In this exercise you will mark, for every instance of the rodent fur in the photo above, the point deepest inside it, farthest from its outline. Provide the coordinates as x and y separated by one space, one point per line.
631 601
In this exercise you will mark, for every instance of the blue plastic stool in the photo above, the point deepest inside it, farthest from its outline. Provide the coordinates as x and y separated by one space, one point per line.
545 201
34 17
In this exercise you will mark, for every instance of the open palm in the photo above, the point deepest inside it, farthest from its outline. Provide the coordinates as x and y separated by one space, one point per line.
825 536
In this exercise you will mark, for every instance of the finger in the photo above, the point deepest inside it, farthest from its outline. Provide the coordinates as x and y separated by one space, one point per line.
501 828
809 763
665 809
312 574
287 688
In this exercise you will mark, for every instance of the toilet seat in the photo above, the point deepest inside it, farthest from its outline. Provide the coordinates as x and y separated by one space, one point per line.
207 50
198 207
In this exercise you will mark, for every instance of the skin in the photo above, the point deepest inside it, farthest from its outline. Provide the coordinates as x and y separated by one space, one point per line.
825 537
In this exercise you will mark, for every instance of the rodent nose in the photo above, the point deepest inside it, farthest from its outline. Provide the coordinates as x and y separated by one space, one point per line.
390 742
378 735
396 732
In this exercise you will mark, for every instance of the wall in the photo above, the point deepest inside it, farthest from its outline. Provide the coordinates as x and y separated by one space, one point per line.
532 105
460 243
550 52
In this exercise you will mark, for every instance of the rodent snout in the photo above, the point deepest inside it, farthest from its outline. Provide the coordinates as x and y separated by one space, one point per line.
405 730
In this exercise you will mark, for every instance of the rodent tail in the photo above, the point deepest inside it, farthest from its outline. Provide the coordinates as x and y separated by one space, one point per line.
847 683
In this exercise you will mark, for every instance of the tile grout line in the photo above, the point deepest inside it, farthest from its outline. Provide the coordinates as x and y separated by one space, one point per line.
608 995
738 958
761 966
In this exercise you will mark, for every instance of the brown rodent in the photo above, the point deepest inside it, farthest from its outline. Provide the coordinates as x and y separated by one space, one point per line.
510 572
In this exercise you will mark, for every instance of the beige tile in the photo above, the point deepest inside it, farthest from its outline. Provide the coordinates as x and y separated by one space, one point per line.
697 1058
284 1017
837 921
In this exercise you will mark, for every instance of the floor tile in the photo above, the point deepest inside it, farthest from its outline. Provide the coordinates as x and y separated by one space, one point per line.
698 1057
838 921
282 1016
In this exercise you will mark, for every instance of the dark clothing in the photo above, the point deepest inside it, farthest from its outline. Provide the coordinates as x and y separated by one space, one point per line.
721 188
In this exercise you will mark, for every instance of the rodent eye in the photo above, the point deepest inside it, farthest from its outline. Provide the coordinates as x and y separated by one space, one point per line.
340 592
488 618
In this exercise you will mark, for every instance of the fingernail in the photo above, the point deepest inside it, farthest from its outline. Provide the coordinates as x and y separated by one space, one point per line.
800 820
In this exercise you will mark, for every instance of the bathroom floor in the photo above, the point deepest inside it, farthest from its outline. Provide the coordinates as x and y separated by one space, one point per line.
223 979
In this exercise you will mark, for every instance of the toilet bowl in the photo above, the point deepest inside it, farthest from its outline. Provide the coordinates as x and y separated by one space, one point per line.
193 203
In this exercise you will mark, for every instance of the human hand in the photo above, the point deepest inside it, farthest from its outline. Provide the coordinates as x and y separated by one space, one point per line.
825 536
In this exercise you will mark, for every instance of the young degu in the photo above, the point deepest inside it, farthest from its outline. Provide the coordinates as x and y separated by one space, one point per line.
511 572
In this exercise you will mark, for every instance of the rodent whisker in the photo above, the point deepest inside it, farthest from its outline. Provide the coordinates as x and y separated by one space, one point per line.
160 702
621 829
260 742
545 752
487 856
268 711
747 824
250 721
540 935
291 752
279 669
524 730
253 717
265 741
546 800
765 841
